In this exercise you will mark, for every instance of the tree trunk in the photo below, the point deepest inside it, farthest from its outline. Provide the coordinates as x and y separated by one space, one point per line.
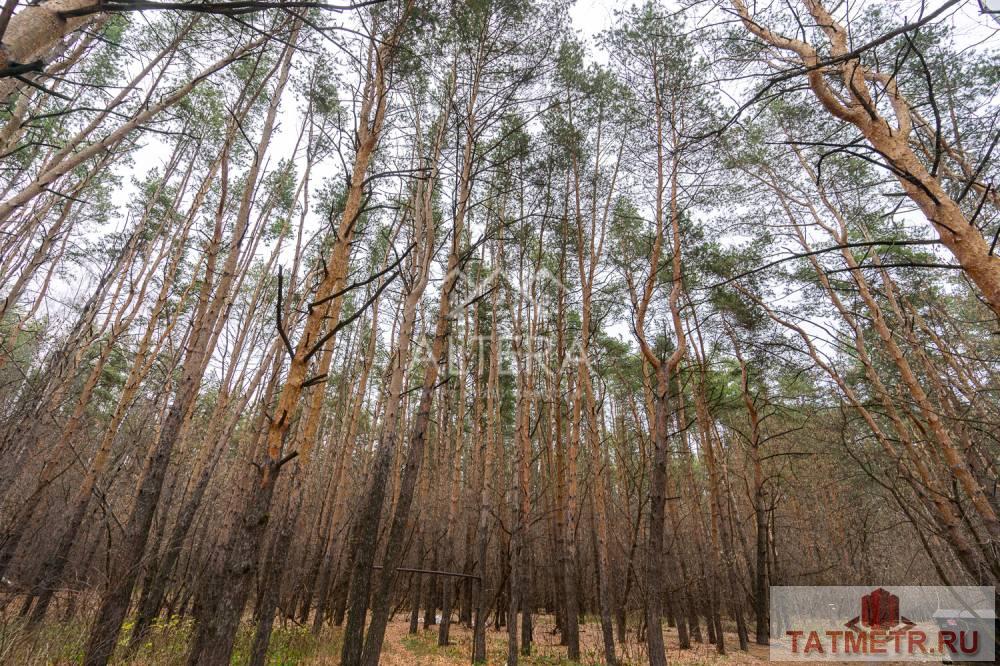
35 32
655 539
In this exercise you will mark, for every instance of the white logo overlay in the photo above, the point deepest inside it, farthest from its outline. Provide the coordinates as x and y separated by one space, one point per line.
521 350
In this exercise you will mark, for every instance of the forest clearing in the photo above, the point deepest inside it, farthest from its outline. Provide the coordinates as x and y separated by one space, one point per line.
497 331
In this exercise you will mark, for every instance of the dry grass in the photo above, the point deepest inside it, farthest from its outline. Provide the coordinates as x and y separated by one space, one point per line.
59 644
62 644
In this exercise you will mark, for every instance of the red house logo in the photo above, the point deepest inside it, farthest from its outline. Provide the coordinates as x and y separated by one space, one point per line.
879 610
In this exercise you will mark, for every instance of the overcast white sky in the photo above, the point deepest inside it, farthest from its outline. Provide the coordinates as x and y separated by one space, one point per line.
591 16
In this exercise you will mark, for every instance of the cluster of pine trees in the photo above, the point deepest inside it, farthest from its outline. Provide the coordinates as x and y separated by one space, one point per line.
337 312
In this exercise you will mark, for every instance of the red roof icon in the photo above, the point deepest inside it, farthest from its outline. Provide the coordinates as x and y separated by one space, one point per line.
880 609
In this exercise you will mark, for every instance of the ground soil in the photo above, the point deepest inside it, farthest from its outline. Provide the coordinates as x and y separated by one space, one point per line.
404 649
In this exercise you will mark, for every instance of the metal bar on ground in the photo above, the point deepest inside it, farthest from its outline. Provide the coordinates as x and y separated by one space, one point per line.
432 572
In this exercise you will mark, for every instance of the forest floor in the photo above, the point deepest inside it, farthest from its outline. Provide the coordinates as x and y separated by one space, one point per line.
61 644
403 649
